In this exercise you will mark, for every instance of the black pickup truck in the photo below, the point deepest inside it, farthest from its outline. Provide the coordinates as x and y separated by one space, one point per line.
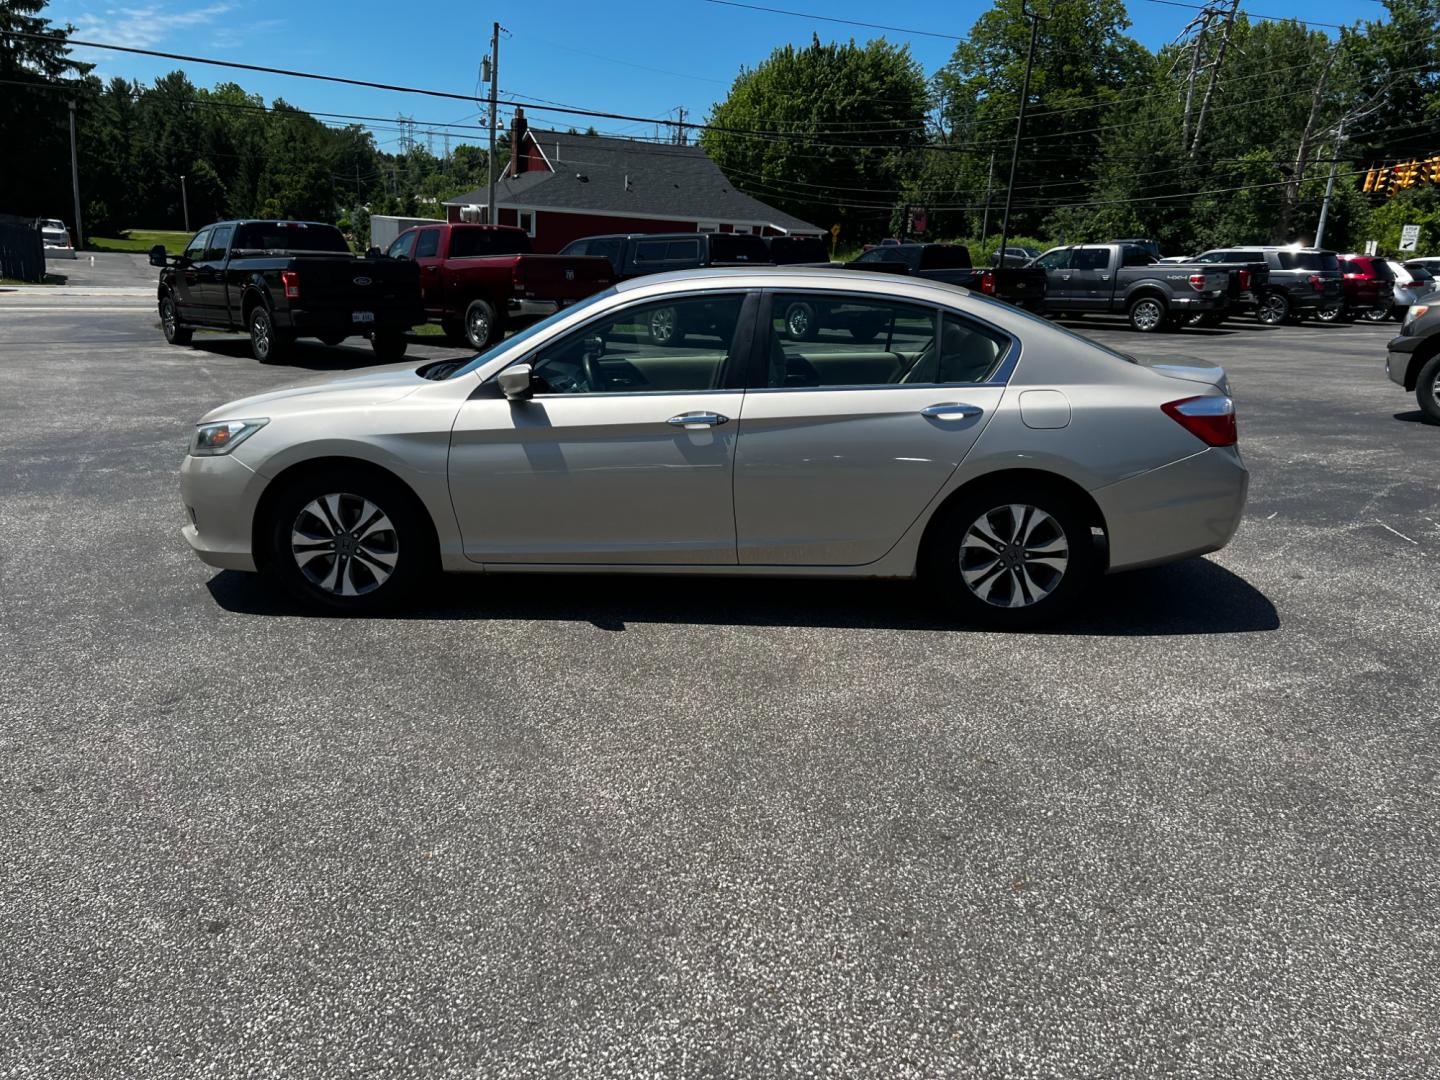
280 280
1126 278
951 264
638 254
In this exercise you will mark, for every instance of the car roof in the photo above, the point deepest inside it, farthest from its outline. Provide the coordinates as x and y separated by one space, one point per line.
763 276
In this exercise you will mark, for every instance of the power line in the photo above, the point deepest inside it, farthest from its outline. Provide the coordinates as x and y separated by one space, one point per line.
1253 15
831 19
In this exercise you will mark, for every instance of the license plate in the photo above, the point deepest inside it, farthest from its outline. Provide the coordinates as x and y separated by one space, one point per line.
362 316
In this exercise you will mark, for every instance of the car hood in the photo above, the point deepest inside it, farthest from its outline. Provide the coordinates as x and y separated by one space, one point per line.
371 386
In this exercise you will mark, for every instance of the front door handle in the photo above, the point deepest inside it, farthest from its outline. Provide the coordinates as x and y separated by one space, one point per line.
951 410
694 421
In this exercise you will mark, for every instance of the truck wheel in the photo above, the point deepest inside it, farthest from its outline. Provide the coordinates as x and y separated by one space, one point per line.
267 344
388 345
866 331
801 323
175 334
1427 389
1148 314
480 324
1273 309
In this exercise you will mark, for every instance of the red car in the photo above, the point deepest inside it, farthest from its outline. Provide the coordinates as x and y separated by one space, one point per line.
1369 291
481 281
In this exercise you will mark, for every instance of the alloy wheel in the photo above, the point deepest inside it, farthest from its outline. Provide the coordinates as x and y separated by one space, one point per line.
1147 314
344 544
1273 309
1014 556
167 317
1329 313
662 325
1378 313
260 333
797 322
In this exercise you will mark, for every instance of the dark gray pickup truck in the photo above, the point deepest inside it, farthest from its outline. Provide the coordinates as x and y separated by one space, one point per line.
279 280
1126 278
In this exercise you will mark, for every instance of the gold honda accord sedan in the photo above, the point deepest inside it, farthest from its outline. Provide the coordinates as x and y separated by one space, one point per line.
682 424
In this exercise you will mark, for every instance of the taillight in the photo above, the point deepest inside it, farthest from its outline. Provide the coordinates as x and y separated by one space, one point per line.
1197 282
1316 282
1210 418
987 282
1244 280
517 278
290 279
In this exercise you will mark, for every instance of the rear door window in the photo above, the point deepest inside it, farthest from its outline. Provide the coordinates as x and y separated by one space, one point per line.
827 339
1309 260
1092 258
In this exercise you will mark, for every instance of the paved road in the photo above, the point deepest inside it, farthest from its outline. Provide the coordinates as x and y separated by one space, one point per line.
629 828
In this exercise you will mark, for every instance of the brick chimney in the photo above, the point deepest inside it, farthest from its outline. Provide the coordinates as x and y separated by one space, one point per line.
518 127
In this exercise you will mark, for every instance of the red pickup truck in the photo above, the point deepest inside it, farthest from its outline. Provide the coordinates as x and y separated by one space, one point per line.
479 281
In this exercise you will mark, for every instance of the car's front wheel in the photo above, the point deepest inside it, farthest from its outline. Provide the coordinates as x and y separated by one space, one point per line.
349 541
1427 389
1010 558
170 326
1330 313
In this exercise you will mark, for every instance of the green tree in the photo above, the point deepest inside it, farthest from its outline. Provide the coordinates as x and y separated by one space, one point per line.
829 133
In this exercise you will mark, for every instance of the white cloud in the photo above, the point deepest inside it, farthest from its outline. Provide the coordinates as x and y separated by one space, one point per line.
144 27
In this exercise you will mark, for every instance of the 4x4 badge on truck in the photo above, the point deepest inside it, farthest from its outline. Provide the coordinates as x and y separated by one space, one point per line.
569 275
362 281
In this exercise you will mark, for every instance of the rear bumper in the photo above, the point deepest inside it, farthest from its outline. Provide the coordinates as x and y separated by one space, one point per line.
220 495
326 322
1186 508
533 309
1207 301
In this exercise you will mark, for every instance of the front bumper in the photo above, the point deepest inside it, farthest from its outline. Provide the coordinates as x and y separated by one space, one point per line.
220 495
1186 508
1398 355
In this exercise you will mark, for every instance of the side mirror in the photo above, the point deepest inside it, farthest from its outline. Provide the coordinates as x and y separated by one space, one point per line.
157 255
517 382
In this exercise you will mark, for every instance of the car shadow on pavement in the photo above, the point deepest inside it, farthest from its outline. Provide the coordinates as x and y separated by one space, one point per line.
1414 416
315 356
1192 597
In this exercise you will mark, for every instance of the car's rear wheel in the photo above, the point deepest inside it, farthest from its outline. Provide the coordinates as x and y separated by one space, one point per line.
1427 389
1379 313
349 541
1273 309
1148 314
1330 313
267 344
170 326
1010 558
480 324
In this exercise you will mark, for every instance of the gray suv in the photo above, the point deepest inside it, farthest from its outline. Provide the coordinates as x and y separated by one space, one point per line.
1413 358
1302 280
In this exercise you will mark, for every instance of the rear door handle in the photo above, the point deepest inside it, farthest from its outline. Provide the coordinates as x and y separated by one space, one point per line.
694 421
951 410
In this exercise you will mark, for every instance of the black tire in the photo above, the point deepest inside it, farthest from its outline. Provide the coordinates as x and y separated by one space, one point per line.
388 345
1147 314
454 330
866 331
407 546
951 554
267 344
1205 318
1331 313
481 327
1427 389
170 326
1273 308
1378 313
663 326
801 322
333 340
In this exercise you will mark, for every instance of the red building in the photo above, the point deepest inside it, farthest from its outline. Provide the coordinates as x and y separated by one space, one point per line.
559 187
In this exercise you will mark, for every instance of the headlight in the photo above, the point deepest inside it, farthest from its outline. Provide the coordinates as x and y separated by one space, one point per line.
222 437
1415 311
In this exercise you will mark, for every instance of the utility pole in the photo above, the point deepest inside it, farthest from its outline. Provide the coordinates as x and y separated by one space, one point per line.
989 183
1035 18
1330 185
75 178
185 202
490 211
680 128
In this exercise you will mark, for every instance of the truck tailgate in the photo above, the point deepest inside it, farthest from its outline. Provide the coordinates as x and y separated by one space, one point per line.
1019 284
561 277
343 281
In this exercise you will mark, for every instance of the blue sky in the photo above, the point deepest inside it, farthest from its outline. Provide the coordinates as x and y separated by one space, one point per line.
639 57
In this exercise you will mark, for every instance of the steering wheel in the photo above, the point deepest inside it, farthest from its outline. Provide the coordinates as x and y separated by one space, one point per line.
590 364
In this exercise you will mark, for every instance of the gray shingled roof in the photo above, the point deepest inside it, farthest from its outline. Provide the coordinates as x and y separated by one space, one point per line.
673 181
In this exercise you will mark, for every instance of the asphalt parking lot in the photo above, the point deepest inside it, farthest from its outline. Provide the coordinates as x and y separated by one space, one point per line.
626 828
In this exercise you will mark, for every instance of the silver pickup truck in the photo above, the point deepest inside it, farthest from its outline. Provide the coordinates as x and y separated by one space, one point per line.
1125 278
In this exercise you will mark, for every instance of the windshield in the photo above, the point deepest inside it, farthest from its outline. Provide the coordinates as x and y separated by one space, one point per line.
535 330
289 236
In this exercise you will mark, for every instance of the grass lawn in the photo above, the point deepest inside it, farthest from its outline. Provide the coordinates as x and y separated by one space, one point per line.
141 241
427 330
50 279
